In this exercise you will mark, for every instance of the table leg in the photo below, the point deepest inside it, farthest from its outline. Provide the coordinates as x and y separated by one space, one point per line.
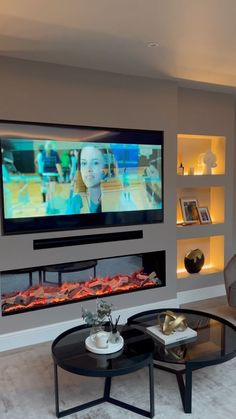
185 388
40 277
56 390
59 279
188 390
107 388
30 279
151 389
106 398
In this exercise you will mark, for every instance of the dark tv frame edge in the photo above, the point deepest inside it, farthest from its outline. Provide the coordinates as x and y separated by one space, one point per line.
133 217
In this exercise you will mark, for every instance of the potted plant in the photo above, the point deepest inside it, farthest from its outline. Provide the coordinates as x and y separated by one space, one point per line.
100 317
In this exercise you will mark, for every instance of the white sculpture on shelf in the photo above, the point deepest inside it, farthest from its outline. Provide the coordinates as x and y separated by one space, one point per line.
209 161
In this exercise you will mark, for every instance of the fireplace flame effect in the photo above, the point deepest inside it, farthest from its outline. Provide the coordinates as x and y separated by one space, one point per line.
44 295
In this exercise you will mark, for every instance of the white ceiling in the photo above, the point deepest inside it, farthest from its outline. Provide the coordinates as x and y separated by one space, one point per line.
197 38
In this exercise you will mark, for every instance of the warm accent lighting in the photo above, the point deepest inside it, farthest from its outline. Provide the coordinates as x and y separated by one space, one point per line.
205 268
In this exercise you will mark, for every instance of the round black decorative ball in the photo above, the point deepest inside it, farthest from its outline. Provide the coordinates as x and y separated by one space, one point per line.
194 261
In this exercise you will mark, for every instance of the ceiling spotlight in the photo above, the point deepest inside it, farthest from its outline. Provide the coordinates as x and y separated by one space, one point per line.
152 44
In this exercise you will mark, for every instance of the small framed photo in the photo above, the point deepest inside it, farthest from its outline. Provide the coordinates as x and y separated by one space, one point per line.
204 215
189 208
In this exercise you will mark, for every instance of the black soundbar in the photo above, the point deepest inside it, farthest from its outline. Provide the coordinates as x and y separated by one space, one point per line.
93 238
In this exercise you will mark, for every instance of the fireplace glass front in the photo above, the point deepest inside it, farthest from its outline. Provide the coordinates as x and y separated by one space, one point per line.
33 288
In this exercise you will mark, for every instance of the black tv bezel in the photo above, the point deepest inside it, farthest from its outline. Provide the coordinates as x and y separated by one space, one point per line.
29 225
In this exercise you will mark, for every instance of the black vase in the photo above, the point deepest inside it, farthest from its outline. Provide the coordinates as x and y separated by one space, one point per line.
194 261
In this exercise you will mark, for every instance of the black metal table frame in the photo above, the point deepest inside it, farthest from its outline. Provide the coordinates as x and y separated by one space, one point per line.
107 387
78 266
28 271
185 385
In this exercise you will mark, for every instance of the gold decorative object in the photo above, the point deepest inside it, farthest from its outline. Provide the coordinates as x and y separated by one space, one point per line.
177 354
194 261
194 255
170 322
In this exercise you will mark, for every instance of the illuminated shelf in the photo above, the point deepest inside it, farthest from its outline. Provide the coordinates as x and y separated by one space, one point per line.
212 248
211 197
191 150
183 274
209 191
199 230
194 181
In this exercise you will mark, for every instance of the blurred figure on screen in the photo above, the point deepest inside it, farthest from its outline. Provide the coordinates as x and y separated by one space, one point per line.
39 160
152 175
73 163
95 166
65 166
92 169
8 161
126 184
52 173
39 166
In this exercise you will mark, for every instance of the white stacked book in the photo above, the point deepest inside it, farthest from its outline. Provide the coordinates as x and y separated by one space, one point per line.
174 337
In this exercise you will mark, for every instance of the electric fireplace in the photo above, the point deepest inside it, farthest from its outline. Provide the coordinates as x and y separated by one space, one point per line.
33 288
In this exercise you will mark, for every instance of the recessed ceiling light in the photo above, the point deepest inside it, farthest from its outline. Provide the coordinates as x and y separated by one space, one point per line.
152 44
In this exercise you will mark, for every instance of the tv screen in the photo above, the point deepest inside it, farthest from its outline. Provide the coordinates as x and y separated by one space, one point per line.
60 177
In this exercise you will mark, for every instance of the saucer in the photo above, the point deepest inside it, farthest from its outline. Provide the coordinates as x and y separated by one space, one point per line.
112 347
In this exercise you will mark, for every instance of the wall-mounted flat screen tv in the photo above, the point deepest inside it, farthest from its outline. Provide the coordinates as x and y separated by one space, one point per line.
60 177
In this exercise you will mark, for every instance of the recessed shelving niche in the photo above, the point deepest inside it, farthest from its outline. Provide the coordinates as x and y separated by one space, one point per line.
191 149
208 196
209 191
211 246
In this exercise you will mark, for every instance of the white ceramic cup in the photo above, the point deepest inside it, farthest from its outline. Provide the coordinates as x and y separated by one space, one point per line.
101 340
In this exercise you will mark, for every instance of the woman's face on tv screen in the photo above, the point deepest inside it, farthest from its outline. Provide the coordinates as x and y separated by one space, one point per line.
91 166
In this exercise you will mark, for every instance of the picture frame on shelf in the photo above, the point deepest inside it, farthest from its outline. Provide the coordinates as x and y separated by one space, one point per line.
189 209
204 215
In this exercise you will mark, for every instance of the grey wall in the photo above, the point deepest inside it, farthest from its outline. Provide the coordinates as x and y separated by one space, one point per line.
50 93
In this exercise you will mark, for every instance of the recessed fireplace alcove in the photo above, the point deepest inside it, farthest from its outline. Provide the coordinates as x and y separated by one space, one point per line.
33 288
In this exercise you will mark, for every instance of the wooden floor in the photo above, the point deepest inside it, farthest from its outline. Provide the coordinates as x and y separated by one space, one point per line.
210 303
218 306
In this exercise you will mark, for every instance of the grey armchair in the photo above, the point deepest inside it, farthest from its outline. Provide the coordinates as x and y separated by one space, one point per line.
230 281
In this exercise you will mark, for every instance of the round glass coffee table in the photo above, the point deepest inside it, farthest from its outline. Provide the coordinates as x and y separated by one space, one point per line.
215 343
69 353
